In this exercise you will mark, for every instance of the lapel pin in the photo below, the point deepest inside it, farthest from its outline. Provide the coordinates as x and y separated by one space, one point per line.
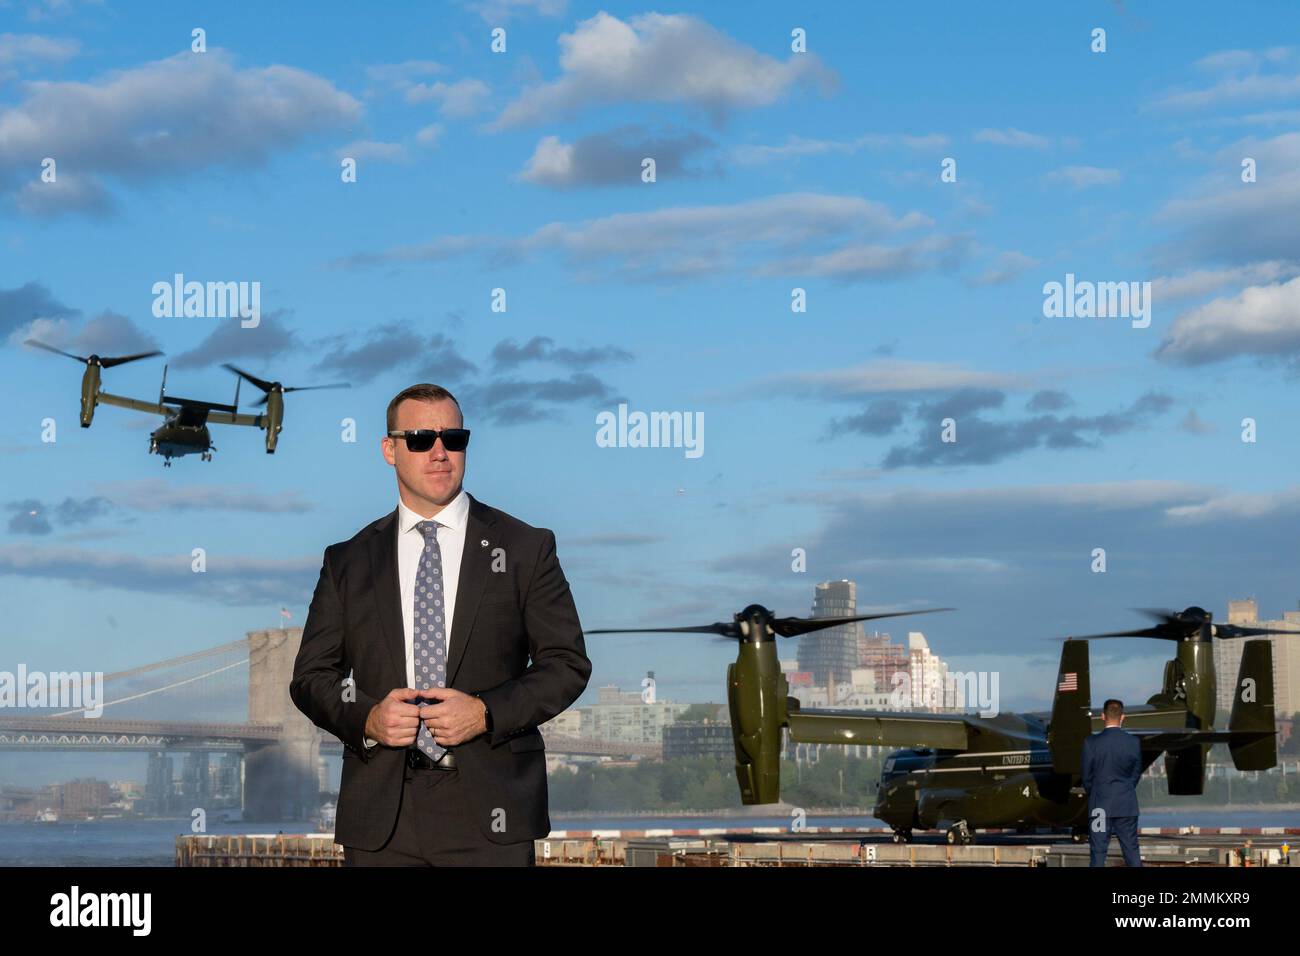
484 542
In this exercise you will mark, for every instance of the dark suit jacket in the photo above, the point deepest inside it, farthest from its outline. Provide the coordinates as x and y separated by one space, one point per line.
1112 767
501 620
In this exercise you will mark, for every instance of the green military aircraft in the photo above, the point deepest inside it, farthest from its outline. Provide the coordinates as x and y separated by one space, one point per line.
962 772
184 430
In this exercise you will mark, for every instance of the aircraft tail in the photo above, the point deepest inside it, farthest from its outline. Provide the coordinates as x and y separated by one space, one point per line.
1071 717
1252 709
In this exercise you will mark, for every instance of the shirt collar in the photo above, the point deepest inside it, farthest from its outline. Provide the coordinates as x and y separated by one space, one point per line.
453 515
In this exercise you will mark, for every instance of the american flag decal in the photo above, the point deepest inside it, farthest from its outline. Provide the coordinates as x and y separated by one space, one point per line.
1068 682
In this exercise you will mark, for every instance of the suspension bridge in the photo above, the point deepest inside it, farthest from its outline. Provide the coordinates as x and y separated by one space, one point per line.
230 700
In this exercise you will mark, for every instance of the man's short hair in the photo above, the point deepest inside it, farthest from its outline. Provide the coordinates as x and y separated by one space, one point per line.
424 392
1113 709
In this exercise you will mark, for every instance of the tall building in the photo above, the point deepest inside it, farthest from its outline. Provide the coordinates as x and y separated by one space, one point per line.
567 723
832 653
83 795
884 659
229 787
1286 658
848 668
195 784
709 737
928 676
158 789
627 716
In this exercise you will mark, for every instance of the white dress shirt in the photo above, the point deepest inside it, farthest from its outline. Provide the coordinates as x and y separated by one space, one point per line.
451 520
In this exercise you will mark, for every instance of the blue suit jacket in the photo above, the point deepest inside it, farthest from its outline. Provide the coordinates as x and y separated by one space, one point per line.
1112 767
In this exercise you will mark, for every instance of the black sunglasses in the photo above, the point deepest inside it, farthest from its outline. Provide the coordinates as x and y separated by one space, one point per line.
422 439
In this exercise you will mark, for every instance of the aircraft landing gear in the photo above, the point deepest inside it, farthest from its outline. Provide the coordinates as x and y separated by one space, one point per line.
902 836
205 456
959 834
167 462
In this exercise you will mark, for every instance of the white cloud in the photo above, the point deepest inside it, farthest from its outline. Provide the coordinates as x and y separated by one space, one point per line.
1227 220
796 146
1016 138
663 59
1237 505
456 100
708 240
364 149
611 159
887 376
29 48
551 163
1009 265
235 580
38 10
70 191
1234 90
1202 281
874 260
1081 177
1263 118
1244 76
831 235
154 494
437 250
1237 60
1260 320
429 135
1196 425
1103 496
499 11
168 117
402 74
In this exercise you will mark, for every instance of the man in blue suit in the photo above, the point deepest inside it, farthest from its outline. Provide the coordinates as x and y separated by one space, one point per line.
1112 767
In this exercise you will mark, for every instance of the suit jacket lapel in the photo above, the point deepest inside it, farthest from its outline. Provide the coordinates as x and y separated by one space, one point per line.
475 565
388 591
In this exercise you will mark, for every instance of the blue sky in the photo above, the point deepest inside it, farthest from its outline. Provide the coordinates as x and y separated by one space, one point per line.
775 170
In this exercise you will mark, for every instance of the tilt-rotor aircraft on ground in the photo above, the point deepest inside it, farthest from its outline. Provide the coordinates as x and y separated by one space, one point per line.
184 430
1017 771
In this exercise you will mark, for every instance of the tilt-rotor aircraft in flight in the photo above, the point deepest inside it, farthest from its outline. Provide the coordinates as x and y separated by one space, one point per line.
184 430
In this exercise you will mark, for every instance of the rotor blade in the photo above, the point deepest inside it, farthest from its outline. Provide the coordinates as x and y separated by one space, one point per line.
1156 632
1158 613
307 388
1235 630
794 626
260 383
725 629
51 348
122 360
261 401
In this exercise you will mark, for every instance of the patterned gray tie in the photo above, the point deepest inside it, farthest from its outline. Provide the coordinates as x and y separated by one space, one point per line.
428 643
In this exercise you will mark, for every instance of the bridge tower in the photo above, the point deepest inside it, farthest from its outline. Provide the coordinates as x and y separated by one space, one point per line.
280 778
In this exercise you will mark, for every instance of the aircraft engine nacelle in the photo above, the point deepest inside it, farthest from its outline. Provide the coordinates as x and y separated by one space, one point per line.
89 393
273 418
756 695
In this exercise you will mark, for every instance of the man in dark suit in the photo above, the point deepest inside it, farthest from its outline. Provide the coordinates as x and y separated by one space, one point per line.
1112 767
460 636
